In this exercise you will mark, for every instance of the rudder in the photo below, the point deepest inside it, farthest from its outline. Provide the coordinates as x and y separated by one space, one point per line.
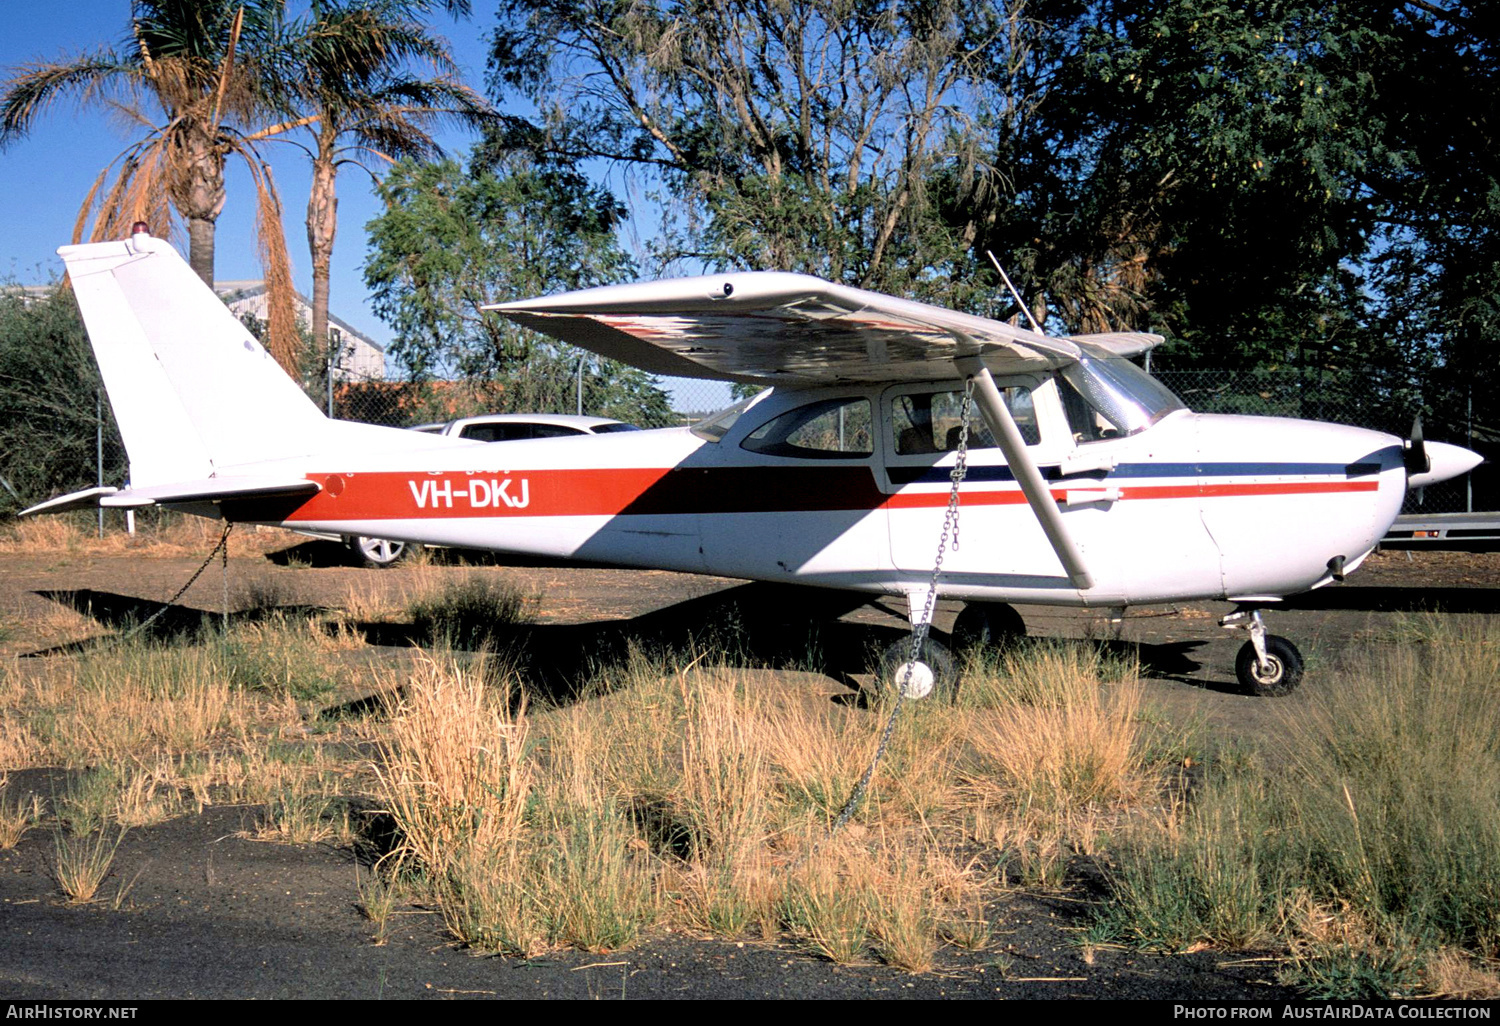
195 395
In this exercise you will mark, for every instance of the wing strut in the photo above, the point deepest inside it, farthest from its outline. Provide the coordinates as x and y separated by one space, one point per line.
1003 426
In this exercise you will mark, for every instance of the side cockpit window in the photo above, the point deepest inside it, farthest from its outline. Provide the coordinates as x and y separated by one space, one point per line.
831 429
928 422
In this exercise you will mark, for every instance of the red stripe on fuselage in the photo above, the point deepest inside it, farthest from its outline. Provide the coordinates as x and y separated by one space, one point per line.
663 491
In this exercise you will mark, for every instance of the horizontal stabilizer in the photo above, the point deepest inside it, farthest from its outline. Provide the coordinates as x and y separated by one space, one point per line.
210 489
86 499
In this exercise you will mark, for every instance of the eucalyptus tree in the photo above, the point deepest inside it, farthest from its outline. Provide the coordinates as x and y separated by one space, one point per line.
800 135
453 238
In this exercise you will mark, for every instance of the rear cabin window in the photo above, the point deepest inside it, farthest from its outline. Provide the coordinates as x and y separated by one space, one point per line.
832 429
928 422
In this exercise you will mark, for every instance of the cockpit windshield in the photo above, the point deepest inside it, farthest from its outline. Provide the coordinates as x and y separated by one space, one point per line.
1110 397
717 426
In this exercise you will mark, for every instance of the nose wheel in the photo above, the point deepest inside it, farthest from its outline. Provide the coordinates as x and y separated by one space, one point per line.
1267 665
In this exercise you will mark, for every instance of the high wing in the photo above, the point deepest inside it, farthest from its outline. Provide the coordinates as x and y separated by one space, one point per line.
1118 343
776 328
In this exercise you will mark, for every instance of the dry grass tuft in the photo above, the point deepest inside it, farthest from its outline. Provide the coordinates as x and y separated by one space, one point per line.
471 612
455 774
148 797
19 746
818 754
825 910
16 818
82 863
1457 975
134 703
723 790
169 535
294 816
379 894
904 912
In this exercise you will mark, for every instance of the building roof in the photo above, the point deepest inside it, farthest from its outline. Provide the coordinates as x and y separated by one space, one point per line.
252 287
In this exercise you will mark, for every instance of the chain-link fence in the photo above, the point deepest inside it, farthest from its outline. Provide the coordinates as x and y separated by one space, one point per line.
407 404
1382 400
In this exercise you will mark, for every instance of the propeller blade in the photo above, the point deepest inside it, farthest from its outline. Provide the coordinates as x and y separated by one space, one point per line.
1416 459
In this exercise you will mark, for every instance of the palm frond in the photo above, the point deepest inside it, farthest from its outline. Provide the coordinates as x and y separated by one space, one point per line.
35 87
226 66
106 217
87 209
282 336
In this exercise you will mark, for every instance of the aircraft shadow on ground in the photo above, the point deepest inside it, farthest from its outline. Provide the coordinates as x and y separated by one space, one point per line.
316 552
125 613
762 625
773 626
1380 599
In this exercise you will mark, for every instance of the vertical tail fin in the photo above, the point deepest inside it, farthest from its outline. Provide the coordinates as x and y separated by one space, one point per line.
193 393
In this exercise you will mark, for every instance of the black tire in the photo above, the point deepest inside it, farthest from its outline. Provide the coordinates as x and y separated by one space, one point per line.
378 553
987 625
1285 668
933 677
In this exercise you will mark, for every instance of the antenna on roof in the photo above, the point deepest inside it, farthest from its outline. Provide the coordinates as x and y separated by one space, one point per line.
1019 301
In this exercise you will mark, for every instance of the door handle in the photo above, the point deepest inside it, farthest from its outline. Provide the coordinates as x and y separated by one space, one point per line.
1084 496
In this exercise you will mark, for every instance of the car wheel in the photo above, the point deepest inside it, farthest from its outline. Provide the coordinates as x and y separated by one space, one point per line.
378 552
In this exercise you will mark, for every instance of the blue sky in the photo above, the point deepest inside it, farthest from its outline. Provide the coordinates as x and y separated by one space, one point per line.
44 177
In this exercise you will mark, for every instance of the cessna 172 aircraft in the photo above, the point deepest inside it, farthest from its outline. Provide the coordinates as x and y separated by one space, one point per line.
1087 483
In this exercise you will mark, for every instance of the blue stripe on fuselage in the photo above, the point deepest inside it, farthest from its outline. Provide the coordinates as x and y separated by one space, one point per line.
940 475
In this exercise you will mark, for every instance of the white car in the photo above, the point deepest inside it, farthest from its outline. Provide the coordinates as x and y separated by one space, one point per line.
489 427
509 427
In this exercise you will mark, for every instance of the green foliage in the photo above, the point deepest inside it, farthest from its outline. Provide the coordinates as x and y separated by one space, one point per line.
48 384
1278 181
452 239
802 137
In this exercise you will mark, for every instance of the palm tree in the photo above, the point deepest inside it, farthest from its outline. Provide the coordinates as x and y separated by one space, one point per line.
363 99
197 76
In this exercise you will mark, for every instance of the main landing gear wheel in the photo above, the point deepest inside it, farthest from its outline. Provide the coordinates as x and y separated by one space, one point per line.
987 625
1281 673
930 678
378 552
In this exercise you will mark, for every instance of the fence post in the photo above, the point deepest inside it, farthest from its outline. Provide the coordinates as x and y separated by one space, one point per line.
99 449
335 350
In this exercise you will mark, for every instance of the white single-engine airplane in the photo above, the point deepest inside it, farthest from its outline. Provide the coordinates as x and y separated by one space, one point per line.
1092 485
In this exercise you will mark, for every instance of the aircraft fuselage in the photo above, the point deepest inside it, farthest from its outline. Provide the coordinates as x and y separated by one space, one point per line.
1195 506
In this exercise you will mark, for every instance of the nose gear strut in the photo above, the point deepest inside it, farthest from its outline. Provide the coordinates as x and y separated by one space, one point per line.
1267 664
